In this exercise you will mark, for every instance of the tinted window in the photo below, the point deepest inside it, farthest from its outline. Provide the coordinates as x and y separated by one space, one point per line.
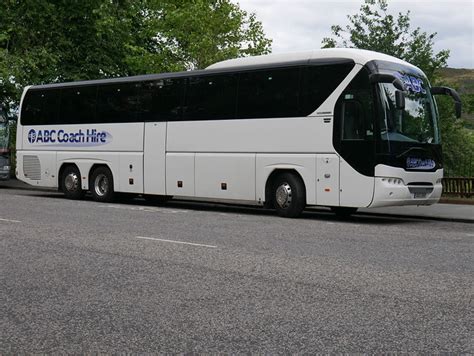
161 100
40 107
354 109
210 97
319 82
269 93
353 127
117 102
353 134
78 105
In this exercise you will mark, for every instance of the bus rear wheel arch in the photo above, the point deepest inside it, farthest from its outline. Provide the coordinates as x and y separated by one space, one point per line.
287 193
101 184
70 182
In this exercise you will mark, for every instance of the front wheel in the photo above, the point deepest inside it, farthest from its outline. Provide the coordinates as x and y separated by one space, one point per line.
289 195
71 183
102 185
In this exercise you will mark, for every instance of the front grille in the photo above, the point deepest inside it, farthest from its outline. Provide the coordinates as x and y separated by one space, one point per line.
420 190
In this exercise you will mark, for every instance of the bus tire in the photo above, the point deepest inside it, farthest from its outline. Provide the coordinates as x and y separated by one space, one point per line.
102 185
71 183
343 211
288 195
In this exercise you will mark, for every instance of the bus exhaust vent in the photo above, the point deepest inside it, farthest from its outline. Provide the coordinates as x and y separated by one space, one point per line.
327 120
32 167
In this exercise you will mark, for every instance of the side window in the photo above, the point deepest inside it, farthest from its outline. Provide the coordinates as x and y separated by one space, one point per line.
355 109
117 102
210 97
269 93
40 107
78 105
320 81
161 100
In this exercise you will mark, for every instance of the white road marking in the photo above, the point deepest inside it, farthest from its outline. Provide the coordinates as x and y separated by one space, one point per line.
10 220
470 234
173 241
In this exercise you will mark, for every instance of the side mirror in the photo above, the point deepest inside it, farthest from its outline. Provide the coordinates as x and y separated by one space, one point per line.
453 94
387 78
400 99
458 109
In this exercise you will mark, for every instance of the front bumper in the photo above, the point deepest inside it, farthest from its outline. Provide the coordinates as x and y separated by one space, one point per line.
390 194
395 186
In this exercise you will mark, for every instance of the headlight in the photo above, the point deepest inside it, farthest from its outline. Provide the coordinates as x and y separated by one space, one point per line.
6 168
393 181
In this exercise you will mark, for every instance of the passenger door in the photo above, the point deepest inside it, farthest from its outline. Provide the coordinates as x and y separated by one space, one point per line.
354 140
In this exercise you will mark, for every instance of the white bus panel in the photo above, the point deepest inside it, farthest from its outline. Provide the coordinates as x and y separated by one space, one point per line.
225 176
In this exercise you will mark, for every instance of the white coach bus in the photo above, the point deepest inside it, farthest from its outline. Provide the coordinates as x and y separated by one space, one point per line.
341 128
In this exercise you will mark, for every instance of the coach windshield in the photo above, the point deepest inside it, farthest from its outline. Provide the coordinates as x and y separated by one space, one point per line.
406 133
417 122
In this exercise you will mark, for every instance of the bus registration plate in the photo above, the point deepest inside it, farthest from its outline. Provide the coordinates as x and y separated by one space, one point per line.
419 195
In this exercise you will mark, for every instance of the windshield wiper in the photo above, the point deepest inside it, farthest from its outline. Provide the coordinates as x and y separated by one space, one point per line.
424 150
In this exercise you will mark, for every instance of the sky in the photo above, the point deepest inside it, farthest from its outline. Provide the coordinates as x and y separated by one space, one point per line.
299 25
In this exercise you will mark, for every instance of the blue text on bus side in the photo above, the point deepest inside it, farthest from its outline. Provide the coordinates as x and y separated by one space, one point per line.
61 136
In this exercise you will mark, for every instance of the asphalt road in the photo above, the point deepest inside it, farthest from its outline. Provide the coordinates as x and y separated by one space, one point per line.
80 276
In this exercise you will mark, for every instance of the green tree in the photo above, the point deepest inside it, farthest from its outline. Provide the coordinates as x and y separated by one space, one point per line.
374 28
44 41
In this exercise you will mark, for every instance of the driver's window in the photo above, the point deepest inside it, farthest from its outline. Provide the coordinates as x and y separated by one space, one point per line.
352 121
356 120
354 113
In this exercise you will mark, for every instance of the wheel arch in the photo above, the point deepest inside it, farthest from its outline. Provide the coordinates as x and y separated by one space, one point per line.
63 166
98 165
107 195
86 168
271 179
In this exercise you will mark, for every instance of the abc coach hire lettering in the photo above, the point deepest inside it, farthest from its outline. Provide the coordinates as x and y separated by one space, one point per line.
60 136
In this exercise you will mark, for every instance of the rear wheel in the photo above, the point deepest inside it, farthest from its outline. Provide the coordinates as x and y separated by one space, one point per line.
289 195
342 211
102 185
71 183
